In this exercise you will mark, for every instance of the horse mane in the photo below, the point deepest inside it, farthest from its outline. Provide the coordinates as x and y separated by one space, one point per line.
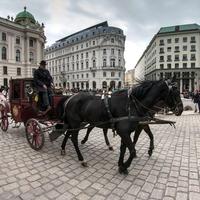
142 87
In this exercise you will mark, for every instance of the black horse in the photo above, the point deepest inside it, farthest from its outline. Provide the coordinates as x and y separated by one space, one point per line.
137 132
84 107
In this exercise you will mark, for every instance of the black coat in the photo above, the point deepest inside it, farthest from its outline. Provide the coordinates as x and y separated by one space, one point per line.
196 98
42 77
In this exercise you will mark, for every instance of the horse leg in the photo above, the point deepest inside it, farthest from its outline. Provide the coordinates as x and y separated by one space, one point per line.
87 135
121 156
105 132
138 130
126 140
150 134
74 139
67 134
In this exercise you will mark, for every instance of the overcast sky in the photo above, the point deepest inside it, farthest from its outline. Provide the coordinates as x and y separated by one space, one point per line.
140 19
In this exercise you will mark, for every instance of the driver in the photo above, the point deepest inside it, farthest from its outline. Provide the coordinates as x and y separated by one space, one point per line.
43 82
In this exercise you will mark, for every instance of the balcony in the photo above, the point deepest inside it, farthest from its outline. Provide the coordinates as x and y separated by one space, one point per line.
193 41
93 69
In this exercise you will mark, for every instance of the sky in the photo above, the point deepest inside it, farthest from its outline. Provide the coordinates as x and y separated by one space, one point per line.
139 19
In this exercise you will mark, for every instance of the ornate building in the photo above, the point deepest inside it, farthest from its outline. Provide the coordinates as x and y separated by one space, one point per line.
173 51
92 58
21 46
130 78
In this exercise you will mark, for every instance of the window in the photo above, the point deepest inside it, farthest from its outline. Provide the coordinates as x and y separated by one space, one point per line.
87 75
176 40
73 58
87 65
184 57
104 74
5 70
169 58
192 40
119 62
112 40
161 42
176 65
192 65
3 53
73 67
82 56
193 57
93 74
112 51
3 37
169 49
184 65
94 63
18 71
104 51
169 41
193 48
77 76
18 55
176 58
31 57
119 52
5 82
168 66
161 66
82 65
161 58
17 40
93 53
31 42
104 62
176 49
184 48
93 42
86 55
184 39
77 66
112 62
112 74
119 74
161 50
77 57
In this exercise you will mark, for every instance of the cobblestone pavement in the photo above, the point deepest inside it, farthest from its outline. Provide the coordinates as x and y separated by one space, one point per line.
171 173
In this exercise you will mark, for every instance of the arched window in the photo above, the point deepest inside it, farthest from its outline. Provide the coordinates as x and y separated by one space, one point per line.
31 57
3 37
18 55
112 84
3 53
104 84
104 62
94 63
94 85
112 62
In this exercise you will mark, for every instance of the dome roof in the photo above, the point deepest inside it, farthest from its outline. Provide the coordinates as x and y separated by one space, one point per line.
25 15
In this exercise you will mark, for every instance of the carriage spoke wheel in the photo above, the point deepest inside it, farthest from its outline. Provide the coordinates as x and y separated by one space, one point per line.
3 119
34 134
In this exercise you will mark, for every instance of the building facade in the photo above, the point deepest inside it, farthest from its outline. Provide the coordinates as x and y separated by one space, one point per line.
130 78
175 50
140 69
21 46
89 59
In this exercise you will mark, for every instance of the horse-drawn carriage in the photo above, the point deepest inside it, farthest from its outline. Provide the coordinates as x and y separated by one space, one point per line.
23 108
82 108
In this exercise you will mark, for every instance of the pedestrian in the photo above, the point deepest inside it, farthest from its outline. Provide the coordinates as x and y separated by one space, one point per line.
44 83
196 100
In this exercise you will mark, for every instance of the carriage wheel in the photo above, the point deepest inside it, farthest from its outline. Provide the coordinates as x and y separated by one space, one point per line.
4 119
34 134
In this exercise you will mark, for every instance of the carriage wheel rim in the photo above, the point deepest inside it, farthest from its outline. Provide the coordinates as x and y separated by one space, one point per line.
34 134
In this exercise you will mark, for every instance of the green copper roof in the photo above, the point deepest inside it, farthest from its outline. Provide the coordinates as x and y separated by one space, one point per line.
178 28
25 15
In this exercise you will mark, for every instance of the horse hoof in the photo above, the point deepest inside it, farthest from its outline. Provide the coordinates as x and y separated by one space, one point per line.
150 152
83 142
84 164
123 170
63 152
110 148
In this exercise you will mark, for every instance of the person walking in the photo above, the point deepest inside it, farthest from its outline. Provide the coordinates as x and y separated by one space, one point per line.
44 82
196 100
